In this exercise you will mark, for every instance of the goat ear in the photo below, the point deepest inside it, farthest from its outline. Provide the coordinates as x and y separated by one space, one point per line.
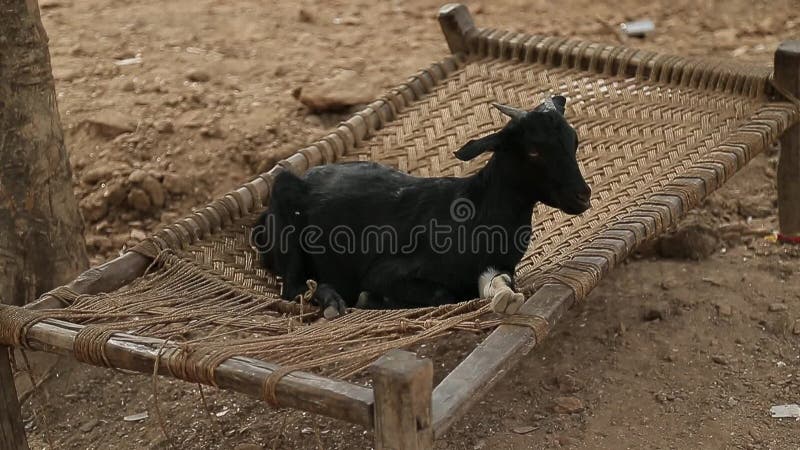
475 147
510 111
560 102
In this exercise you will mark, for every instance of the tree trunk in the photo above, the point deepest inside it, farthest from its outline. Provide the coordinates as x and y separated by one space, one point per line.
41 229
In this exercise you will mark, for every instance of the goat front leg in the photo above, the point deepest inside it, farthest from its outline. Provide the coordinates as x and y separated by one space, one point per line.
499 286
330 301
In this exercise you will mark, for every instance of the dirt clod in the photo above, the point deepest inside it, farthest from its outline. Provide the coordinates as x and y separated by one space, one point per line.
198 75
110 124
567 405
139 200
346 88
777 307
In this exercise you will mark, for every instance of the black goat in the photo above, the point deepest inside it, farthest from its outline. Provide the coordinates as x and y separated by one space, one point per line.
375 237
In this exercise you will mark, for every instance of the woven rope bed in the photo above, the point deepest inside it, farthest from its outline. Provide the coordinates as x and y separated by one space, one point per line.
658 133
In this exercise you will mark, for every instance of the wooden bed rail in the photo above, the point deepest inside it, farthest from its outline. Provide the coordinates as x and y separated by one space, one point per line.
299 390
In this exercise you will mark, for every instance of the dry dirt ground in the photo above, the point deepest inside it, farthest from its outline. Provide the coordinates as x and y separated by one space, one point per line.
169 104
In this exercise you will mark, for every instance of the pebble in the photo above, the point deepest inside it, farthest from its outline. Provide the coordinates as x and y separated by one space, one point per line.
154 190
139 200
164 126
658 311
138 235
110 125
567 405
523 429
568 384
137 176
344 89
101 243
796 327
776 307
127 86
724 309
754 434
693 240
304 16
177 184
94 207
88 425
198 75
719 359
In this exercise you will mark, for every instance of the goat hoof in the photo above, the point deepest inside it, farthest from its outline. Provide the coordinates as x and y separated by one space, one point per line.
331 312
506 301
335 308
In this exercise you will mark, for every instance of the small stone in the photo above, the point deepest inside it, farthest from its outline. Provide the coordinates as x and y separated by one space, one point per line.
523 429
305 16
66 74
137 176
719 359
568 384
796 327
127 86
693 240
661 397
658 311
564 441
154 190
732 402
101 244
777 307
211 131
756 207
164 126
567 405
94 207
177 184
88 425
198 75
344 89
281 71
139 200
115 193
102 172
248 446
110 125
724 309
138 235
754 435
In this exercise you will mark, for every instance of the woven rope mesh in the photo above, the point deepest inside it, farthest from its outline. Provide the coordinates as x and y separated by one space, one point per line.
640 138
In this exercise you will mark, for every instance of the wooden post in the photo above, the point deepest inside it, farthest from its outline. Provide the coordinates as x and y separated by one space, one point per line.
41 229
456 22
12 432
787 76
403 384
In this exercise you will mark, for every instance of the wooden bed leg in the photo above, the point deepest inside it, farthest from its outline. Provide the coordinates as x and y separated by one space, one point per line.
12 432
403 385
787 76
456 22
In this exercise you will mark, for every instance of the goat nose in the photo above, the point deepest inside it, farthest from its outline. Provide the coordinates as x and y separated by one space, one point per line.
585 194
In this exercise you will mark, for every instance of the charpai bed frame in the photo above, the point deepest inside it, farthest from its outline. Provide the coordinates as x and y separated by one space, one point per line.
658 133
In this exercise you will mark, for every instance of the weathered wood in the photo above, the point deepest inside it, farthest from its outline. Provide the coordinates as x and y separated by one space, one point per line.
299 390
12 431
106 277
456 22
41 230
402 385
494 357
787 76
